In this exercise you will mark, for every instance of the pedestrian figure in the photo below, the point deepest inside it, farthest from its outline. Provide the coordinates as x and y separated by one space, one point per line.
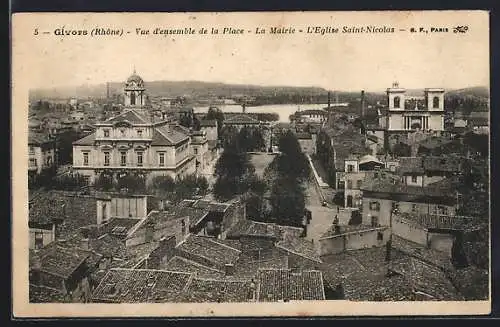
338 209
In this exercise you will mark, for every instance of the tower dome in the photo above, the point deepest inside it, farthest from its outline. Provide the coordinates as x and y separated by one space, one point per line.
135 78
134 91
134 82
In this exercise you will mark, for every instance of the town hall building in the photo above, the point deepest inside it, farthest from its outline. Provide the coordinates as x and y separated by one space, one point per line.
134 142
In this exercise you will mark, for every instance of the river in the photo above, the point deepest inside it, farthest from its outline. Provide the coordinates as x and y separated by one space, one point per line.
283 110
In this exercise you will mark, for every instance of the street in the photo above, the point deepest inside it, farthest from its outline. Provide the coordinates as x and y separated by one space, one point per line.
322 217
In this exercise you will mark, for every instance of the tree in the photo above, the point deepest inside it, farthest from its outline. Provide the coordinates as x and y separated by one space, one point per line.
104 182
65 146
233 171
401 150
215 113
131 182
288 202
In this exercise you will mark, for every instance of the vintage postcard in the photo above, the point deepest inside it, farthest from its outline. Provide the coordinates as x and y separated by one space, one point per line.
251 164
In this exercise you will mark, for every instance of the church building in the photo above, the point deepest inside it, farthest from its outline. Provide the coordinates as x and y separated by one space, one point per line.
406 115
134 142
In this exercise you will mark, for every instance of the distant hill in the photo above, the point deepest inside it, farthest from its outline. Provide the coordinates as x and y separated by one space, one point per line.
173 89
478 91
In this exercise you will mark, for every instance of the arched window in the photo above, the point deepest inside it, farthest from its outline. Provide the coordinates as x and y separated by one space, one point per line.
397 102
435 102
132 98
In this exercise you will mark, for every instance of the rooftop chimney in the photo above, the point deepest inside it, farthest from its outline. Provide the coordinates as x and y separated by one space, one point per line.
84 244
229 269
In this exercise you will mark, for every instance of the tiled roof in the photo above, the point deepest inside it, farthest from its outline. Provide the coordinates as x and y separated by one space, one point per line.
41 294
121 226
208 123
285 285
130 116
87 140
411 165
394 288
436 221
214 290
349 229
394 186
141 286
37 138
166 136
250 262
181 264
448 164
471 282
299 246
61 261
253 228
209 250
47 208
433 257
425 279
241 119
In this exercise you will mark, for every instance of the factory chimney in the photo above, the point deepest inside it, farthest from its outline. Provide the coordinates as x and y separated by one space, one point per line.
107 90
363 104
329 99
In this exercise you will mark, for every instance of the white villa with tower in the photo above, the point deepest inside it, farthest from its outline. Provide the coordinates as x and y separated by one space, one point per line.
135 142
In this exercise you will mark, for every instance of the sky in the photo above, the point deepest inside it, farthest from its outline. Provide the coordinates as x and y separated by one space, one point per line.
347 62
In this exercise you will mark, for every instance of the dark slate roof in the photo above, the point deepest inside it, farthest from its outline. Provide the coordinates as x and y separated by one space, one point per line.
166 136
218 290
130 116
241 119
285 285
87 140
181 264
209 249
304 136
208 123
478 121
141 286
